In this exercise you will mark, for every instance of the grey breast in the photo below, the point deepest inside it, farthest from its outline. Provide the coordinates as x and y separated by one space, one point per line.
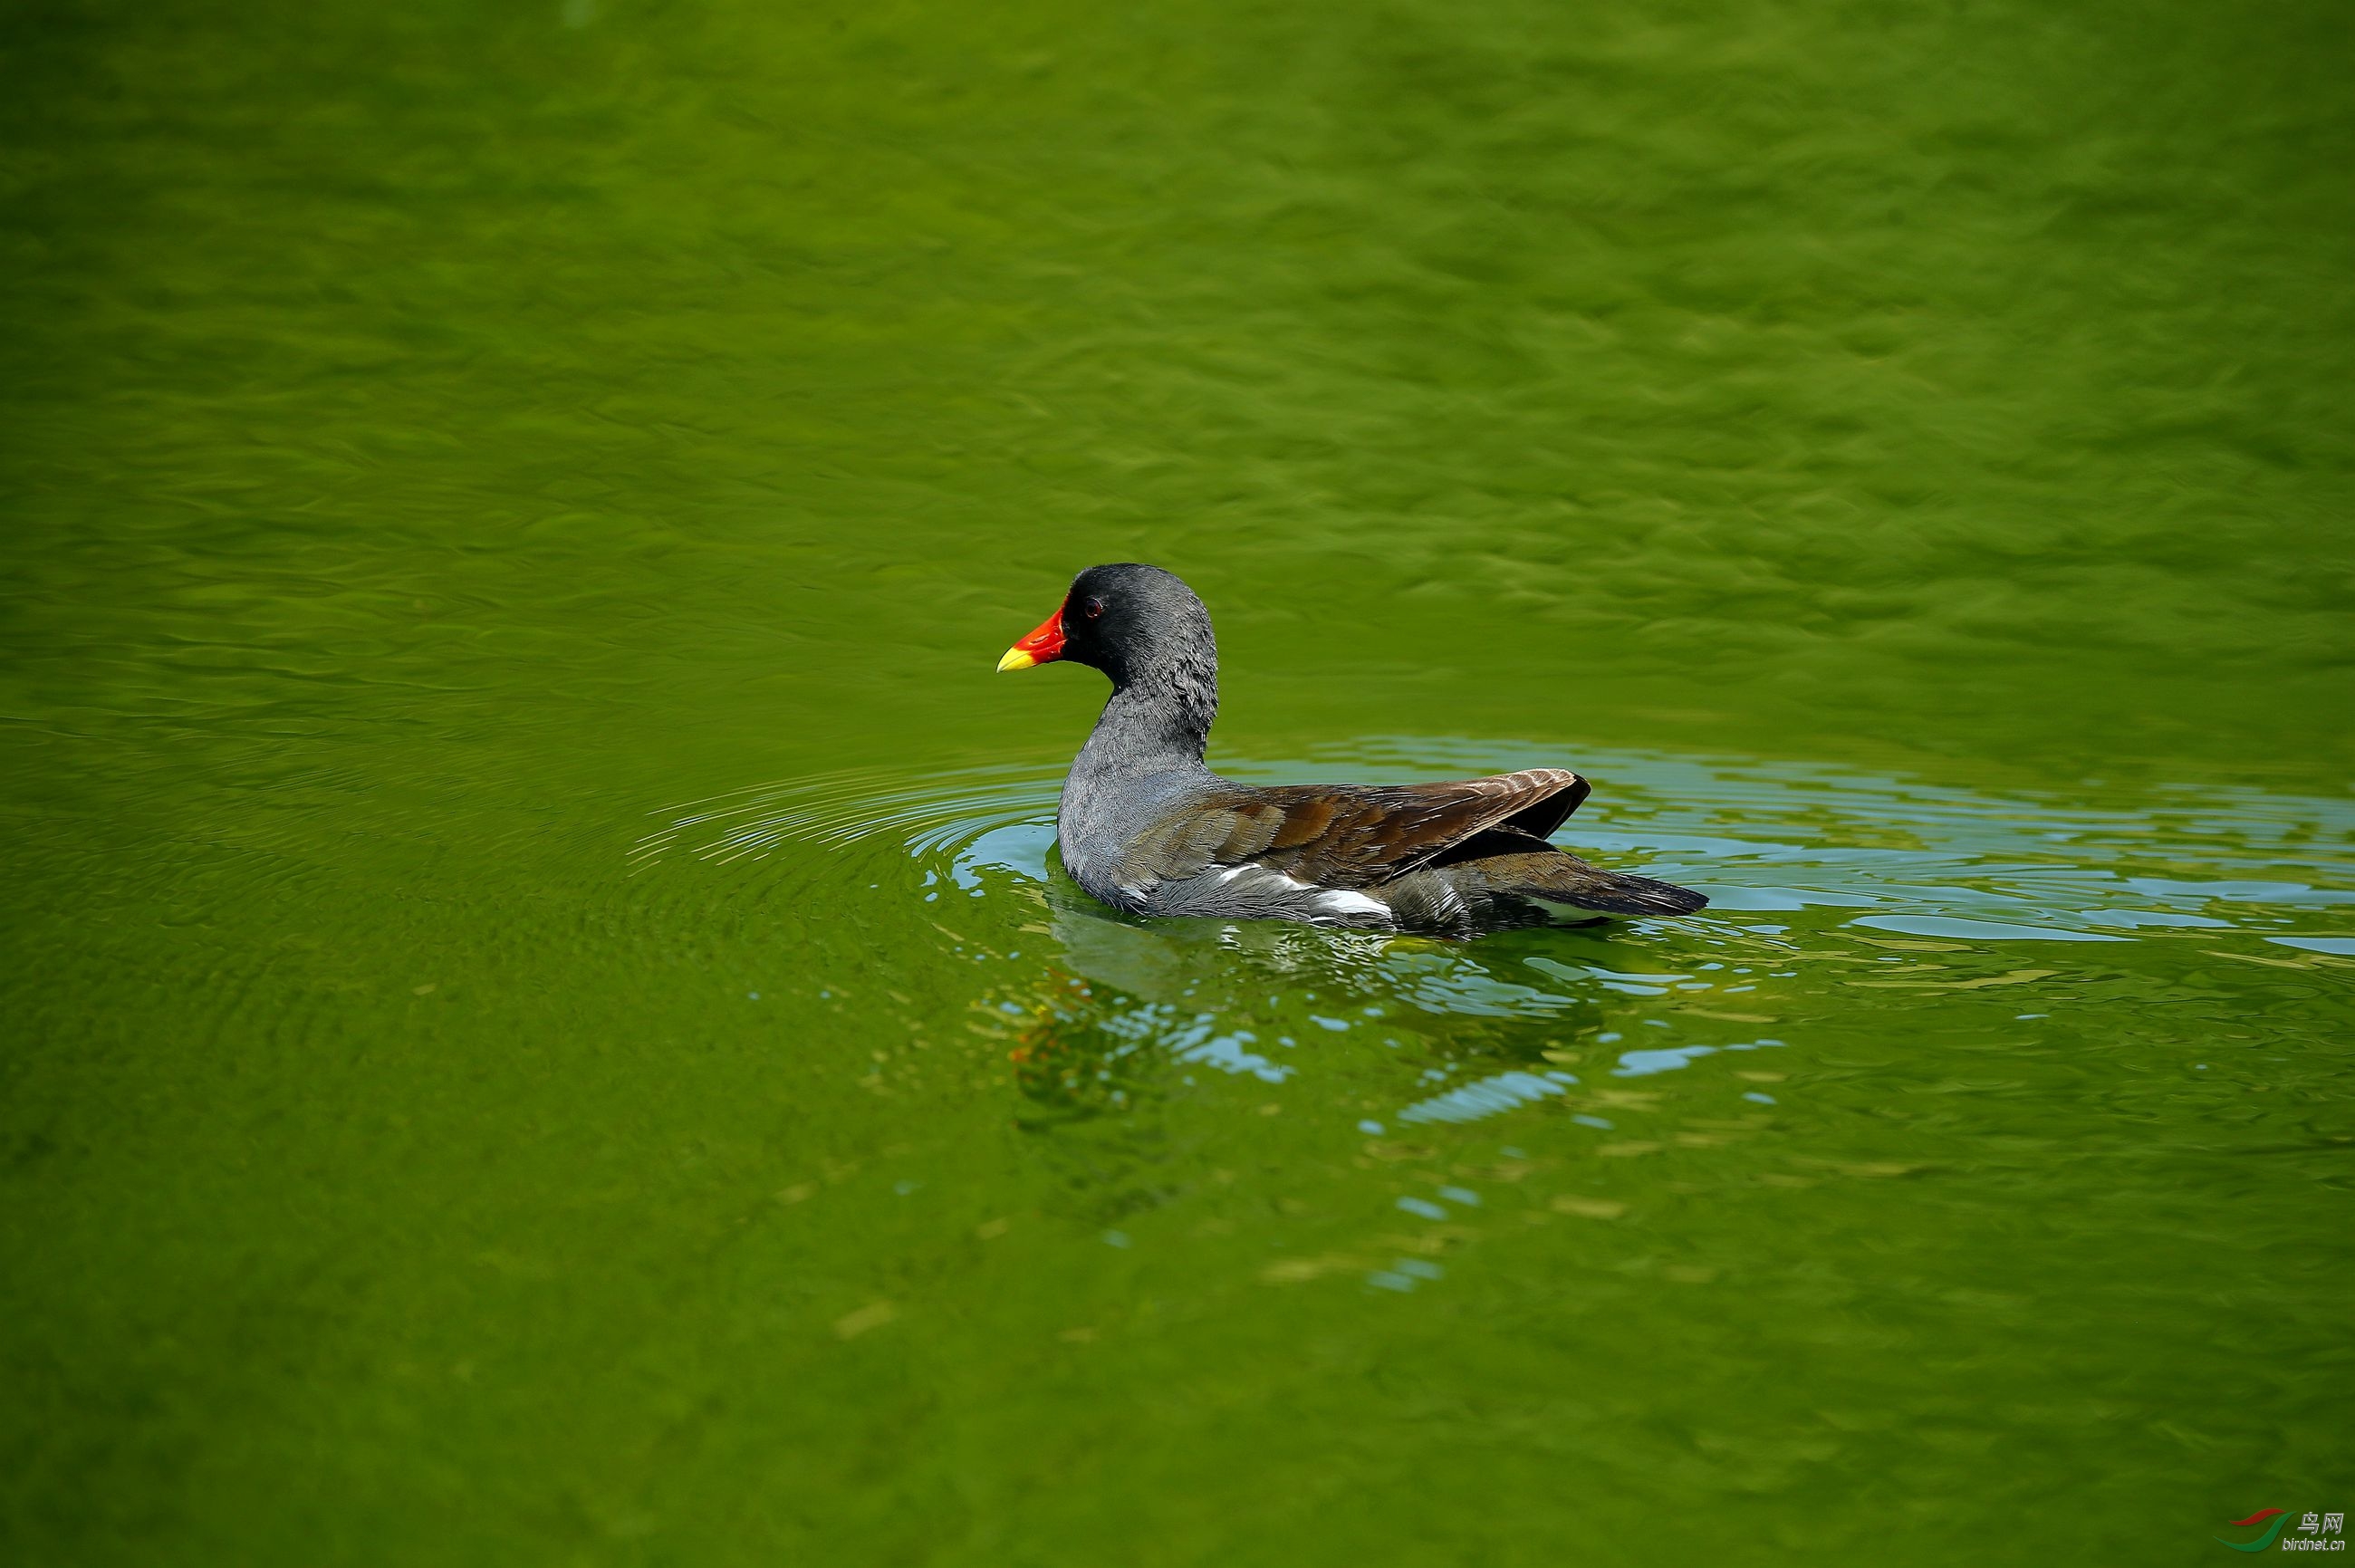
1103 811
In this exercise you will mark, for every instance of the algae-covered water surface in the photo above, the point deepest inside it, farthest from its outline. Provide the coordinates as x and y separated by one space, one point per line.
541 1024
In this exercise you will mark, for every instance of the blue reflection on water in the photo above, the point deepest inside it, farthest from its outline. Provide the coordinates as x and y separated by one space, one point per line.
1980 930
1485 1098
2336 945
1639 1063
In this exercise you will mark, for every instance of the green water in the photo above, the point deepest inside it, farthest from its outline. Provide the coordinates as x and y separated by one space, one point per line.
538 1027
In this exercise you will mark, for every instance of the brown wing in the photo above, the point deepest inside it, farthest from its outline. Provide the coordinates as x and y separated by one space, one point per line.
1349 836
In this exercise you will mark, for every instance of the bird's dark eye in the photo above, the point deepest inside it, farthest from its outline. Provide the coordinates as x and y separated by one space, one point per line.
1092 608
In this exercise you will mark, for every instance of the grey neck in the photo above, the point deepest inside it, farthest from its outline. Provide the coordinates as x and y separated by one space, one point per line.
1145 755
1155 720
1150 726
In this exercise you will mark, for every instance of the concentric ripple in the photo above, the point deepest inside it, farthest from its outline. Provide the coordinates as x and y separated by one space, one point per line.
948 812
1841 900
1768 841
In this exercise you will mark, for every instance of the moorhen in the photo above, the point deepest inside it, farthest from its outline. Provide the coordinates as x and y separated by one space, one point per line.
1148 828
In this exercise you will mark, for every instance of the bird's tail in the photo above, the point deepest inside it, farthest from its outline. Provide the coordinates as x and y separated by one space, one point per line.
1583 886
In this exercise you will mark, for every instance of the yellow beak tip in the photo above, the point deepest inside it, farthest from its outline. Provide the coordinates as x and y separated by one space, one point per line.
1014 659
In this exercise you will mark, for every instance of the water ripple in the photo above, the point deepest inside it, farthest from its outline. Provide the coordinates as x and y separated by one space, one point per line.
1761 837
949 811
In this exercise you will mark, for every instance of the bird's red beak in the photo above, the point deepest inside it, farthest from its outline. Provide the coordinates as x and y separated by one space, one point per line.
1044 645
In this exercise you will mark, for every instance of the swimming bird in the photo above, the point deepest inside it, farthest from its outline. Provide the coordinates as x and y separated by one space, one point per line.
1149 829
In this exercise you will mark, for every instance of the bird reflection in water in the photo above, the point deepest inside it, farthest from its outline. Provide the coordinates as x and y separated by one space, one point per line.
1137 1007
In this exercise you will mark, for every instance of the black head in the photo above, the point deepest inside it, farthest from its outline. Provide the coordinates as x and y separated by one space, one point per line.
1129 621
